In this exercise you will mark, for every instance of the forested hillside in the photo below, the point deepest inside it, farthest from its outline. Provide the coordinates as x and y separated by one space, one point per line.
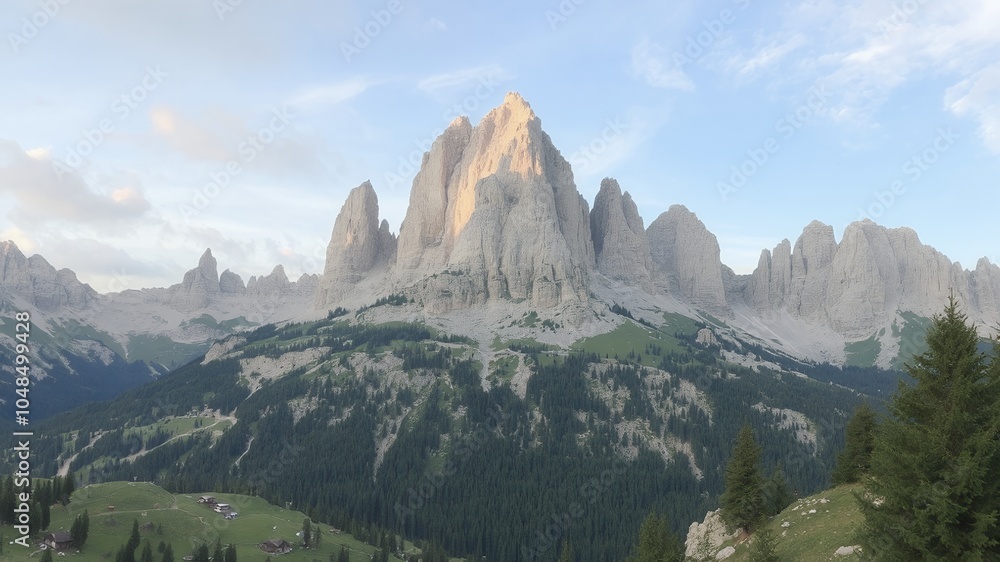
402 428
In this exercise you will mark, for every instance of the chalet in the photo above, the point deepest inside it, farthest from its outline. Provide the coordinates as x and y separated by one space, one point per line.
58 540
276 546
222 507
207 499
231 515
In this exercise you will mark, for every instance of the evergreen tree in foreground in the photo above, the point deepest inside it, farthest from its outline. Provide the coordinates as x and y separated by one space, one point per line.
932 492
657 543
853 462
743 502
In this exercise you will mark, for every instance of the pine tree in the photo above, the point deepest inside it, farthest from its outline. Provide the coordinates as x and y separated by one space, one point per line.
776 493
168 554
147 553
763 547
344 556
743 501
47 556
932 491
853 462
306 532
201 553
657 543
230 553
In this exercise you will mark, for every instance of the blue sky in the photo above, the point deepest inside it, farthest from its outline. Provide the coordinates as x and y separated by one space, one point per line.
136 134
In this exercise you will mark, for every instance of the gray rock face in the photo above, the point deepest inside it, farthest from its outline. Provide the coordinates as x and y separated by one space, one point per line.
857 286
35 281
496 207
231 283
200 285
620 241
358 245
686 254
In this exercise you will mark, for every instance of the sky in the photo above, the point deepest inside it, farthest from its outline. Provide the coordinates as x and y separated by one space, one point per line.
137 134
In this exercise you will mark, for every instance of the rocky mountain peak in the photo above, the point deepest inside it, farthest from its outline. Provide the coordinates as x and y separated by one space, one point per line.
496 201
620 242
358 244
687 256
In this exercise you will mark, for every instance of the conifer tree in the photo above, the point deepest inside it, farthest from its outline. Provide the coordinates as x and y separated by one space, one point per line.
147 553
932 491
776 493
743 501
47 556
853 462
168 554
657 543
306 532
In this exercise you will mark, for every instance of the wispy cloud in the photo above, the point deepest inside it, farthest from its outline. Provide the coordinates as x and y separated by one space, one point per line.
979 96
651 63
331 94
439 85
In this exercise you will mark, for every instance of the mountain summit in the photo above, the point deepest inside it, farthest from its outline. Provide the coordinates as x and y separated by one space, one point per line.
494 208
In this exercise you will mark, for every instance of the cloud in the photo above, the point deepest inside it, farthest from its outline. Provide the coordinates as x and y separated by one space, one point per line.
42 196
438 24
211 137
440 85
864 52
105 267
651 63
770 50
331 94
979 96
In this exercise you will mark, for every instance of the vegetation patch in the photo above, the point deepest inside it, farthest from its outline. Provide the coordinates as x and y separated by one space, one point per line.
863 353
144 347
817 526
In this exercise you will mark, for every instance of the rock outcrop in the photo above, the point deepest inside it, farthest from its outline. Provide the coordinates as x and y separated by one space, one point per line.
620 242
36 282
687 255
858 286
358 245
495 209
231 283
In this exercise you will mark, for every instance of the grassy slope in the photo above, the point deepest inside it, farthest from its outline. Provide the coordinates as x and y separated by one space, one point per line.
185 523
816 536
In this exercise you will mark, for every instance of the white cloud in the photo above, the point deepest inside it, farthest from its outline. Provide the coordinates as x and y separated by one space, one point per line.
438 24
979 96
331 94
439 85
651 63
42 196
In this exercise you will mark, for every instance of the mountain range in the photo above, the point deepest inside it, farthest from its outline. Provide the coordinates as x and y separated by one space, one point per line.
496 229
